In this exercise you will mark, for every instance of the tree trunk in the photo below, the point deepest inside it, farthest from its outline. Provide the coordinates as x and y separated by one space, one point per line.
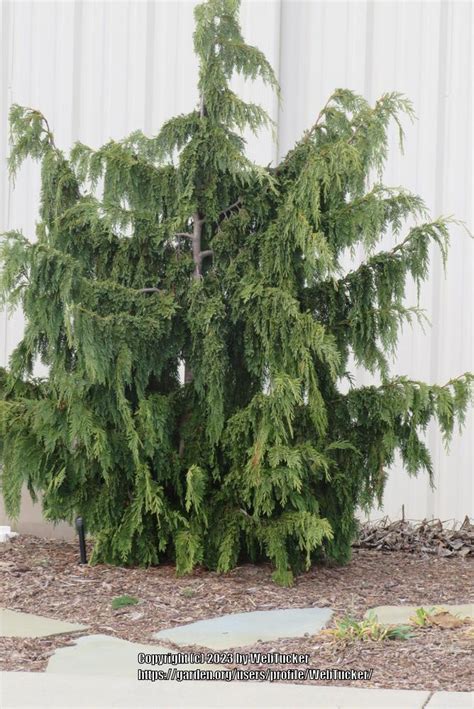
197 258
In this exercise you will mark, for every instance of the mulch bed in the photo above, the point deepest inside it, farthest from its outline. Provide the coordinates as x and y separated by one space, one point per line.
43 577
428 536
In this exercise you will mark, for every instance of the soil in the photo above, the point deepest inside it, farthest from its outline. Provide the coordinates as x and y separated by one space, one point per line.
44 577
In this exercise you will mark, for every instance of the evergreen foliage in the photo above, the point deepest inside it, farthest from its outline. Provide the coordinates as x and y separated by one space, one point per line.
155 251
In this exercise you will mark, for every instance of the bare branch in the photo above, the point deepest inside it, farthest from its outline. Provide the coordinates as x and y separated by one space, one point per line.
237 203
150 290
321 115
50 134
184 235
207 252
307 135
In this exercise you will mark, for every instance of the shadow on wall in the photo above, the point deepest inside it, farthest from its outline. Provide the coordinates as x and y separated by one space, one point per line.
31 521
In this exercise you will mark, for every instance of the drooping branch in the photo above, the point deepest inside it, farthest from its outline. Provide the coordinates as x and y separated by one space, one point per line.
435 231
47 130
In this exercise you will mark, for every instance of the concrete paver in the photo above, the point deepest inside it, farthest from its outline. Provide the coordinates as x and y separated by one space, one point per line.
14 624
107 656
402 614
240 629
36 689
451 700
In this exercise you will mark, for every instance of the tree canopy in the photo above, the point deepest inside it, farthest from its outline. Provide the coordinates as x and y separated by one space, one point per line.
152 252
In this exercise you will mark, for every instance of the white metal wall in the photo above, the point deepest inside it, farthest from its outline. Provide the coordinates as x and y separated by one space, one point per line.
99 70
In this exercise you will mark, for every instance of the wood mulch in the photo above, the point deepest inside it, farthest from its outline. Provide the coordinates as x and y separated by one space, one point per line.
43 577
428 536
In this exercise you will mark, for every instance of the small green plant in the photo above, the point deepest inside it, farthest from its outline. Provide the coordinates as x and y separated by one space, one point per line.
349 629
422 617
188 592
122 601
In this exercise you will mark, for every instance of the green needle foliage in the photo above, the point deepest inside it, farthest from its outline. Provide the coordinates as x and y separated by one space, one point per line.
151 252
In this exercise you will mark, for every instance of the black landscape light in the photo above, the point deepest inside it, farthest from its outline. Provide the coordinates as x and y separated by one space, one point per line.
82 539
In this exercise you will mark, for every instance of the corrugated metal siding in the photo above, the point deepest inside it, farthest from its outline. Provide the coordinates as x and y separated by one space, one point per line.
99 70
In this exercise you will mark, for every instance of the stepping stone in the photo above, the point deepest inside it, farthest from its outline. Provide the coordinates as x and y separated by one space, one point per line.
394 615
241 629
105 655
14 624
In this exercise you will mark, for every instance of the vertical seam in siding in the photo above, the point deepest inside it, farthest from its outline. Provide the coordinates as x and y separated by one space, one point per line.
149 67
438 207
76 70
369 50
5 197
278 75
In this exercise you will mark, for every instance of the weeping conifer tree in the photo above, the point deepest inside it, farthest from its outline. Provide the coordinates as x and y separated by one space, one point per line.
153 252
